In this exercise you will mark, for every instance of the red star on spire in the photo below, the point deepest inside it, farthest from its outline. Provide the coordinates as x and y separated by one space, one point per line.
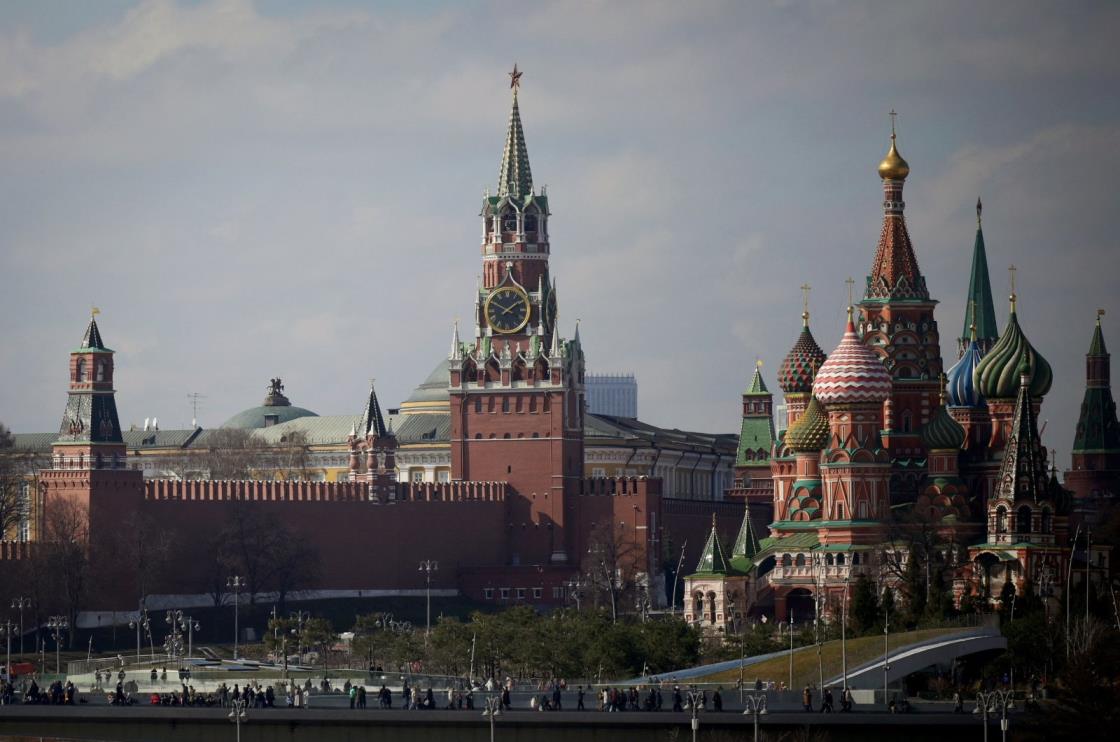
515 78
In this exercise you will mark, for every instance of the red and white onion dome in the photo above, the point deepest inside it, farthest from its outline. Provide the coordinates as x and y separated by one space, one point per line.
853 374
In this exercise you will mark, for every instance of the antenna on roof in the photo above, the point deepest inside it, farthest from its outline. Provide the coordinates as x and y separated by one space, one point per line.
147 423
194 397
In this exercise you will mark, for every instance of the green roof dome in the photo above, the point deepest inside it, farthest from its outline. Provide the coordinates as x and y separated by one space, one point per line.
435 388
943 431
810 432
997 375
274 410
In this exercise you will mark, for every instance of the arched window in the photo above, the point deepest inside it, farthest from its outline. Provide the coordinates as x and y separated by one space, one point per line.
509 221
101 370
1023 520
530 222
1001 519
1047 525
907 421
80 373
800 560
787 561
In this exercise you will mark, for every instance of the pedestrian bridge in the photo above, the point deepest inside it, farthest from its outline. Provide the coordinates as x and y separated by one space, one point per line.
940 652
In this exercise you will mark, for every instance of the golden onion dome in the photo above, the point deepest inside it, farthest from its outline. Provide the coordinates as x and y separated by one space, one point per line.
893 167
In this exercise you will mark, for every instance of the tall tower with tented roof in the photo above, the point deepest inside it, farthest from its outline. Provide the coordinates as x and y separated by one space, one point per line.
517 388
980 314
1094 477
896 321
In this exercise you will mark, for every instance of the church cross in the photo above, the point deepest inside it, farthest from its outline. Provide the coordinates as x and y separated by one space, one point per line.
893 117
851 283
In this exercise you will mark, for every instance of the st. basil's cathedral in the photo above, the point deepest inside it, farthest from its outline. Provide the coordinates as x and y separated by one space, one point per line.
885 457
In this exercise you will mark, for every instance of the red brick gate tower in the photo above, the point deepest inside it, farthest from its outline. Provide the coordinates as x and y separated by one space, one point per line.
896 321
517 394
88 490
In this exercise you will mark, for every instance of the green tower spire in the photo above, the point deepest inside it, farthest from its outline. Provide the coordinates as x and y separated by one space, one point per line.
515 178
980 310
1097 428
712 559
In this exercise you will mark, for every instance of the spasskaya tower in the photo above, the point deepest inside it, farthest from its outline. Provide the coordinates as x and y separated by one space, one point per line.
516 388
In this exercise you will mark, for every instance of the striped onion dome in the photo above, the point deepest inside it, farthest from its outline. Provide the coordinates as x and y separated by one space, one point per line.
997 375
810 432
961 390
852 374
942 431
795 375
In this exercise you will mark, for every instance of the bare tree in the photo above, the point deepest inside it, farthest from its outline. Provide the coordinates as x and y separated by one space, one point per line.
19 484
66 554
232 453
292 456
610 564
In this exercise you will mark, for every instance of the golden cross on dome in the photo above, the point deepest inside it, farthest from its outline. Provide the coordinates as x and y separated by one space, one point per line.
805 301
93 311
515 78
758 363
851 284
893 117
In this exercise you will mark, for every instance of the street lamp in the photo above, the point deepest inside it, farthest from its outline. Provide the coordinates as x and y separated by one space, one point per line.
236 583
756 704
844 631
21 603
991 701
694 697
238 714
790 627
300 617
677 574
142 622
7 629
493 709
575 590
428 567
886 651
57 624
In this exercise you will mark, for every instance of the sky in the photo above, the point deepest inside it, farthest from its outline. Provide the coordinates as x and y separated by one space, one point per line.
257 189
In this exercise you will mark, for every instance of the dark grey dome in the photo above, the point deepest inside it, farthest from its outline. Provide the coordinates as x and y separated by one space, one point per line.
276 409
434 388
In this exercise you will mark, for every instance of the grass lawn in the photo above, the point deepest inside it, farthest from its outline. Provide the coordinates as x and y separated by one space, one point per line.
863 649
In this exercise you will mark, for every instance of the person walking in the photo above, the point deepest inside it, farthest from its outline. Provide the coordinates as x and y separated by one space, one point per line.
807 698
556 698
579 698
958 702
826 703
717 699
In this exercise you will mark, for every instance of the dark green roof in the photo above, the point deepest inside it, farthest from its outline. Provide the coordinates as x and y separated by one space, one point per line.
266 415
515 178
758 386
1096 346
712 559
746 544
980 308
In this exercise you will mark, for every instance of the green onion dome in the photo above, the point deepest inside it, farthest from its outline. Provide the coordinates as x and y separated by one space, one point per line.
942 432
810 432
795 376
997 374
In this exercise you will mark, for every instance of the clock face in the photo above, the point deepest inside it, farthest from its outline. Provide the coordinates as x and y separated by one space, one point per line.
507 310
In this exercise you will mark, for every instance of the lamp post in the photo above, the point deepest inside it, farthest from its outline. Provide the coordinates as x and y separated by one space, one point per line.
694 707
21 603
818 562
991 701
1069 578
756 704
428 567
236 583
57 624
886 655
142 622
844 632
7 629
238 714
493 709
575 590
300 617
790 625
676 576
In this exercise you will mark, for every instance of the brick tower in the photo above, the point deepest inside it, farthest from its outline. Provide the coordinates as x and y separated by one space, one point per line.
517 394
896 321
1095 475
88 479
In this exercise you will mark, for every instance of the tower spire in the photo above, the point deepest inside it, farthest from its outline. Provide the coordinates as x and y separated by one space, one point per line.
895 273
981 311
372 422
515 179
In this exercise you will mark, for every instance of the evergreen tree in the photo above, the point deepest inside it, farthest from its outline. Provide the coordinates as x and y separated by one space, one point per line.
865 606
914 588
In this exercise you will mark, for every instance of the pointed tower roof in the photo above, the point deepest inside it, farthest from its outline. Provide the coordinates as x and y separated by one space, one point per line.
1097 428
372 421
1096 345
1023 474
758 386
515 178
980 310
746 544
712 559
91 339
895 273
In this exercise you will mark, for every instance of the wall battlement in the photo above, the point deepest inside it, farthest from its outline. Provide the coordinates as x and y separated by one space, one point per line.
619 486
284 491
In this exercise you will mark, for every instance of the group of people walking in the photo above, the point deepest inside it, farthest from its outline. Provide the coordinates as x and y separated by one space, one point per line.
827 700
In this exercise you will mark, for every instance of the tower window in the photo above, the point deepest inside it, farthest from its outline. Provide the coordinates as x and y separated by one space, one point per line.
505 404
509 222
530 222
101 371
81 370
